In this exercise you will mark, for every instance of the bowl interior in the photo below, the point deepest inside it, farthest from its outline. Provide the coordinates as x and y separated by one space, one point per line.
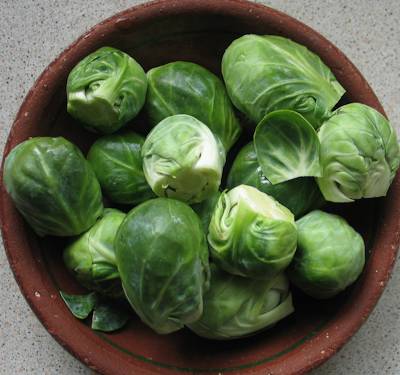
197 34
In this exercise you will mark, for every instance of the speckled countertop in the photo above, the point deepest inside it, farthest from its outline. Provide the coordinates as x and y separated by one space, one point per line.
34 32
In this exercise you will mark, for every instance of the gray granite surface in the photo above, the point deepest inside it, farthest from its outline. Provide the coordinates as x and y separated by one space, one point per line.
34 32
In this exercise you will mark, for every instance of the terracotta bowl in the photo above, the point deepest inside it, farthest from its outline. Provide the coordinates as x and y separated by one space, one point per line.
198 31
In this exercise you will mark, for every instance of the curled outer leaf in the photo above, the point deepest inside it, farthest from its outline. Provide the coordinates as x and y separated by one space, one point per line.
266 73
287 147
251 234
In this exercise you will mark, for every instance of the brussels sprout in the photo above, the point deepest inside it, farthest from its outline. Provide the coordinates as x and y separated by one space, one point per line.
299 195
105 90
117 162
187 88
53 186
163 262
205 210
237 306
182 159
287 147
251 234
266 73
91 257
359 154
330 255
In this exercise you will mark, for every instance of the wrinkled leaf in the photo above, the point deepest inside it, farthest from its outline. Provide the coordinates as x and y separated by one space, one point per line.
287 147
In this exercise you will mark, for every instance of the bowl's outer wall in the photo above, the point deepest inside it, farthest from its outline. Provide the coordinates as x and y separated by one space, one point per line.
198 31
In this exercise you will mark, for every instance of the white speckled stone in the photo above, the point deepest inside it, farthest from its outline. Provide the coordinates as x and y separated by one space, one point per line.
34 32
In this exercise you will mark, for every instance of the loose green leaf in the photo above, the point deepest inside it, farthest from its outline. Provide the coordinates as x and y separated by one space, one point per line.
287 147
80 305
108 317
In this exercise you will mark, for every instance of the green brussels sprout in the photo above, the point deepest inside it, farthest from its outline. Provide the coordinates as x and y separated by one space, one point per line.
287 147
53 186
251 234
237 307
162 258
330 255
359 154
266 73
205 209
187 88
117 162
105 90
182 159
299 195
91 257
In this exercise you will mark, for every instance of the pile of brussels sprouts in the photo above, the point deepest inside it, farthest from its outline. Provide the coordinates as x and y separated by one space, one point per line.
214 257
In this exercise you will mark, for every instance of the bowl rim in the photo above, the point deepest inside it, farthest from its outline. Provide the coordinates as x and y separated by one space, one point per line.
310 354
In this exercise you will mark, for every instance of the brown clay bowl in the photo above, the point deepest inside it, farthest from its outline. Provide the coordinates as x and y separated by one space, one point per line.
198 31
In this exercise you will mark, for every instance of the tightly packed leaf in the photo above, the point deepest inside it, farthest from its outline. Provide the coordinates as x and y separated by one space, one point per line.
116 159
182 159
162 258
266 73
91 257
359 154
53 186
187 88
251 234
299 195
235 306
105 90
330 255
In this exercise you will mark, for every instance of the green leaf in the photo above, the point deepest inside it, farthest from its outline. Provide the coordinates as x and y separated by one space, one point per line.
287 147
108 317
80 305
